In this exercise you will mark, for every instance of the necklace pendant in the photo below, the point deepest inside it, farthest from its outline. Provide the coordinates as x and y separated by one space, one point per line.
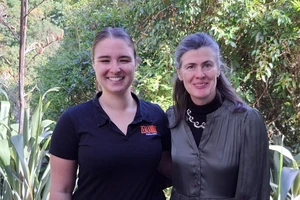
195 123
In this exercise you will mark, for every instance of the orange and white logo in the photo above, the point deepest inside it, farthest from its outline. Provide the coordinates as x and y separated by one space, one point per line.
149 130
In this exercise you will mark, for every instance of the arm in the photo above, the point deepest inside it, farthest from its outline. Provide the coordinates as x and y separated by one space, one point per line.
63 176
254 170
165 169
165 165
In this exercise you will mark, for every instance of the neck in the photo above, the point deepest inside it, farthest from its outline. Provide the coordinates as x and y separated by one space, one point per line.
117 102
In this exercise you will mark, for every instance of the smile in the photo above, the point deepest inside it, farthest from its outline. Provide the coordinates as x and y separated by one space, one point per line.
200 85
116 78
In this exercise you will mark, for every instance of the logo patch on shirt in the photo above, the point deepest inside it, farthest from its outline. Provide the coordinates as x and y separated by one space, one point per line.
149 130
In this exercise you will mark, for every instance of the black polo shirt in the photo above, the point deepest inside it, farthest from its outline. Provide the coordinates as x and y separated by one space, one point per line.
113 166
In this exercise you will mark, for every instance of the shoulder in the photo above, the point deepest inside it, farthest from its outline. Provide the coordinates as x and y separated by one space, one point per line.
170 112
244 116
246 113
78 111
252 115
80 106
229 107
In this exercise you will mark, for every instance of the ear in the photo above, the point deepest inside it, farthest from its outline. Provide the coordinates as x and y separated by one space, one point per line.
219 73
179 74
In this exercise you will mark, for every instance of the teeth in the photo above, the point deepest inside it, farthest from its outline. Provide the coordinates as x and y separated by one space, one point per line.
115 78
199 85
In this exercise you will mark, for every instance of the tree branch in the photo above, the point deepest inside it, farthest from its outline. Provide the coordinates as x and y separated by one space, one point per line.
41 46
34 7
10 28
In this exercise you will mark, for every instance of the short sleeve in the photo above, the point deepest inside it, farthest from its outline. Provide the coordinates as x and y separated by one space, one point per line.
254 170
64 141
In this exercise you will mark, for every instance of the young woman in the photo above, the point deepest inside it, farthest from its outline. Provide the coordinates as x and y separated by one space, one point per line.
219 144
116 142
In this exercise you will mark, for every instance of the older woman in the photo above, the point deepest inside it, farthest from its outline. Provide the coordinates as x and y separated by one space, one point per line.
219 144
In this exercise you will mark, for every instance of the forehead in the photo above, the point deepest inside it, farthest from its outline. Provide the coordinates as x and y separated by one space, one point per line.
113 46
199 55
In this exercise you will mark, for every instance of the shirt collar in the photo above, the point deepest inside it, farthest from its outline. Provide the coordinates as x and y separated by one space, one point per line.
102 117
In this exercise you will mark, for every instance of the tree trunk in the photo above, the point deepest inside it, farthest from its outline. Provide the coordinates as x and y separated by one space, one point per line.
23 29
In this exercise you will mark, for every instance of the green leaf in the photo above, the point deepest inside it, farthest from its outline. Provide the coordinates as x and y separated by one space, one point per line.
18 145
288 177
4 93
4 116
282 150
4 153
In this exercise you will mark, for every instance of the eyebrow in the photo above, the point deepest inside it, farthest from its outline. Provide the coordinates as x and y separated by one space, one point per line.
100 57
121 57
204 63
125 57
207 62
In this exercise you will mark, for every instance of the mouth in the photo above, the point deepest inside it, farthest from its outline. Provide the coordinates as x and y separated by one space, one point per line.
200 84
115 79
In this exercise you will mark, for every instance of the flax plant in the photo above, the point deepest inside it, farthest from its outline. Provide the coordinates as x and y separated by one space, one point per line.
285 176
24 165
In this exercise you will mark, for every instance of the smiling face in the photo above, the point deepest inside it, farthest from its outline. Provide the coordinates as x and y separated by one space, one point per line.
114 65
199 71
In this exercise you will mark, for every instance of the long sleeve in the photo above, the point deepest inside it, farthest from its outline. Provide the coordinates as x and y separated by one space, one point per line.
254 169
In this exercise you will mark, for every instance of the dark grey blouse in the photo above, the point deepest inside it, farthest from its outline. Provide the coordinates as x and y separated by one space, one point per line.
231 161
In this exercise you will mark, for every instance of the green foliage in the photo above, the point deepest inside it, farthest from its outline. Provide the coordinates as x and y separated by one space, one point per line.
42 33
24 166
259 42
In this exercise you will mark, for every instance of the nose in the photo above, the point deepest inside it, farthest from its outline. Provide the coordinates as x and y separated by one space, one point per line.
200 73
115 68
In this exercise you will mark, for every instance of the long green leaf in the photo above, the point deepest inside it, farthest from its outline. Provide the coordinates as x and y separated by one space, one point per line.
54 89
4 153
288 177
282 150
4 93
35 132
4 116
26 127
43 187
36 170
18 145
5 189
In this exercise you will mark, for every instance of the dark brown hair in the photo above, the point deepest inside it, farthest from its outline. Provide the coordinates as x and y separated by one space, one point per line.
224 88
110 32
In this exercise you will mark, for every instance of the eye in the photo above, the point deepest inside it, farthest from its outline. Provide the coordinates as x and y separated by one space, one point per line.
208 65
190 66
104 61
125 60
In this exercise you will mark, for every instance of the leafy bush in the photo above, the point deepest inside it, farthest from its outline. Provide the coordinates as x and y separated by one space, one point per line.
24 165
